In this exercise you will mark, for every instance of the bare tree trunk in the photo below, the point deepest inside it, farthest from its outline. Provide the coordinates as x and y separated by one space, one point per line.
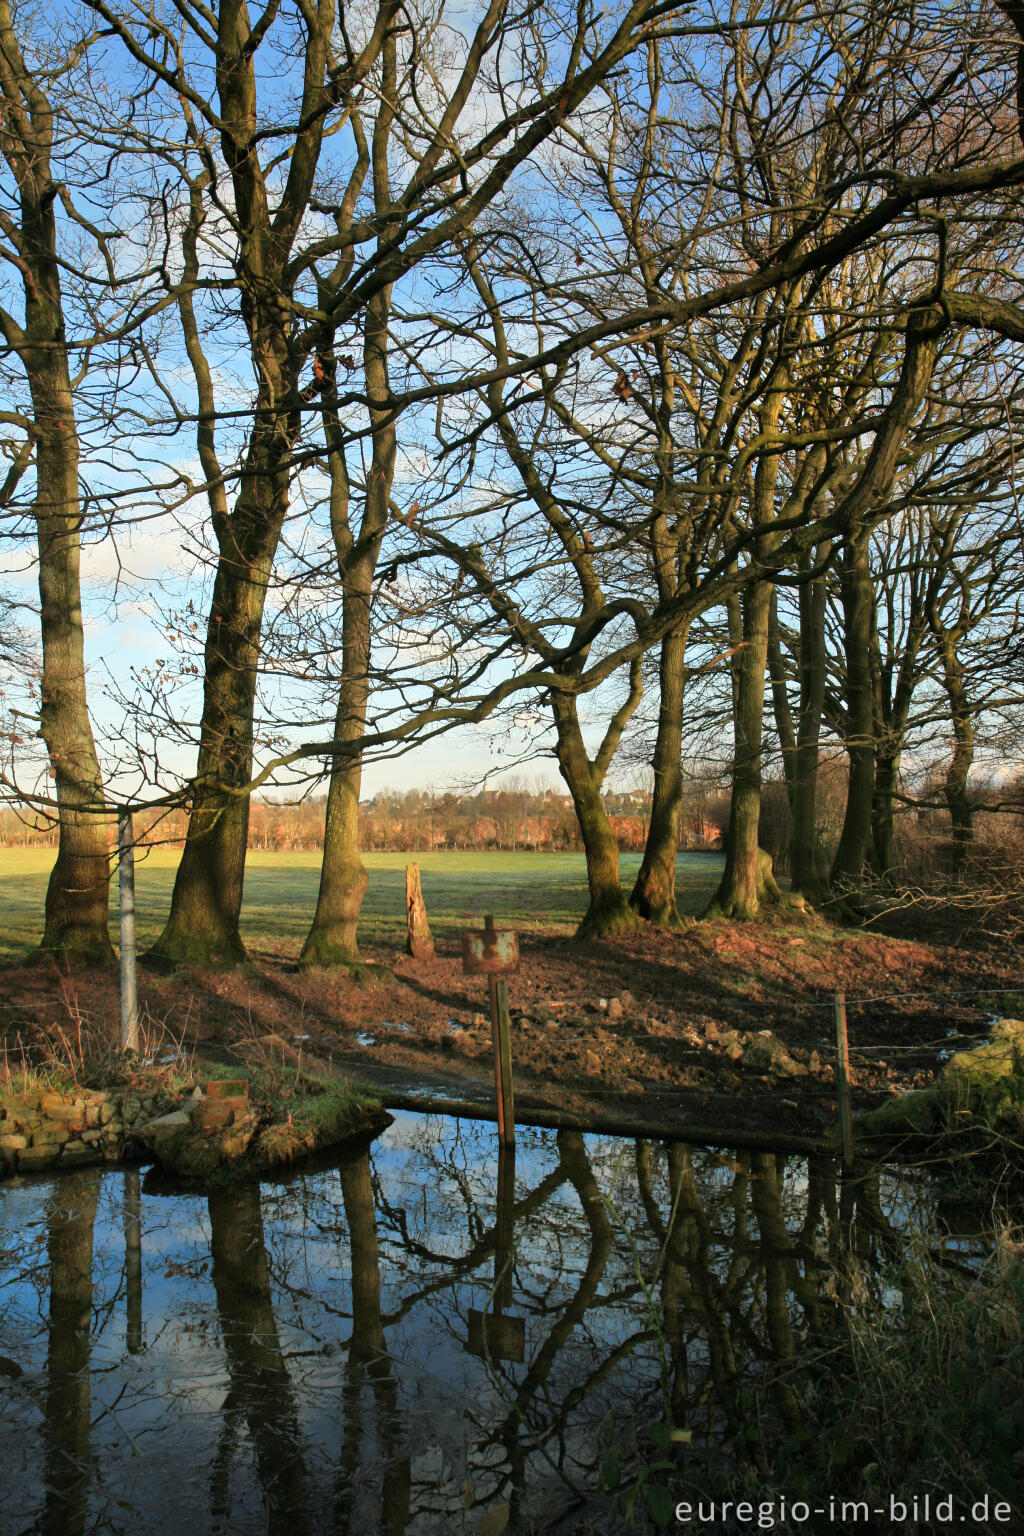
958 772
858 614
77 897
608 911
76 925
333 937
882 849
332 940
747 879
207 898
806 873
654 894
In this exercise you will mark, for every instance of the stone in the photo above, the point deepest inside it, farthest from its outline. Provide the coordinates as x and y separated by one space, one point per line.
107 1112
73 1146
59 1110
164 1134
602 1004
628 1001
592 1064
92 1115
51 1133
767 1054
13 1142
615 1009
90 1138
35 1158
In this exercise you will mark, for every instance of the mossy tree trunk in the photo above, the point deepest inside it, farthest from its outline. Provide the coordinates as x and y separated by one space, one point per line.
76 923
207 897
654 893
333 937
608 911
746 883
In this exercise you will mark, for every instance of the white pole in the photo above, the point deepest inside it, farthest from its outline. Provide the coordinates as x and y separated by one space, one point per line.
126 895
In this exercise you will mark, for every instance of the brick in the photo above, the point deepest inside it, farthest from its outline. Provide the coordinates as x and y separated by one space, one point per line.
228 1088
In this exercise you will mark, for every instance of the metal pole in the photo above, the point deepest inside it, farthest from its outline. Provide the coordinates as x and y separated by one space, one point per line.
126 899
843 1079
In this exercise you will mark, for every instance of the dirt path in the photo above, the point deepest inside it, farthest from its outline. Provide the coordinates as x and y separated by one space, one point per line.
656 1026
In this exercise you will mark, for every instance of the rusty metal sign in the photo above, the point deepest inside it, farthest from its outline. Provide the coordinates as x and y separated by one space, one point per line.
495 1336
489 951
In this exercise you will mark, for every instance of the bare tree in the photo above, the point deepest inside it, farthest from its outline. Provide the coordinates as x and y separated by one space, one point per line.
77 894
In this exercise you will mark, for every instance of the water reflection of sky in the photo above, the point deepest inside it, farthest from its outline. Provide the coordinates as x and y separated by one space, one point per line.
304 1362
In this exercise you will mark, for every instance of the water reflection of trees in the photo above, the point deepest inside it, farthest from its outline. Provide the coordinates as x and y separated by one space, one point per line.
652 1281
70 1225
260 1391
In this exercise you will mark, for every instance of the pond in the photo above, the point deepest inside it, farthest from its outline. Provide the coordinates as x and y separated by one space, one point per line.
423 1337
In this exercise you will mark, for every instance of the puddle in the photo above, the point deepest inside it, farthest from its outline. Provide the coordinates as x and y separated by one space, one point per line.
409 1338
365 1037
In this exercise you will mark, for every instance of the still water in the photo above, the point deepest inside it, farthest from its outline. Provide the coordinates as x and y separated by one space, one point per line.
420 1338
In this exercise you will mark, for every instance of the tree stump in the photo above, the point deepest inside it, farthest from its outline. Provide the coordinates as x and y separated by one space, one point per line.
418 941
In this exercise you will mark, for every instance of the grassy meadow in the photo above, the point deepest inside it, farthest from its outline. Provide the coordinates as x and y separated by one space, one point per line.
538 892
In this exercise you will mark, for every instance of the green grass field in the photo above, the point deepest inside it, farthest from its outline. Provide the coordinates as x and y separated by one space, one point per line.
540 892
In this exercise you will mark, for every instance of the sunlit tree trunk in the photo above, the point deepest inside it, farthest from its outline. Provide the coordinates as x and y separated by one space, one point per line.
77 895
654 893
608 911
747 879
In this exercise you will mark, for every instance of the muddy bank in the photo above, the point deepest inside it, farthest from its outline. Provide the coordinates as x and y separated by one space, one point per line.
653 1026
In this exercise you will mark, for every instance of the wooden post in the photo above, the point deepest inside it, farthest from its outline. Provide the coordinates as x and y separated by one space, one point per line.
418 941
126 904
504 1229
502 1042
843 1079
133 1257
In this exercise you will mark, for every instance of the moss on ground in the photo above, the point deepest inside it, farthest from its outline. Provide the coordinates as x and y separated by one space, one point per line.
295 1115
981 1090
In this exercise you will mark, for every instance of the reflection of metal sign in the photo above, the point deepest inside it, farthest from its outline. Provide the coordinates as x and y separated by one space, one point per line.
489 951
496 1337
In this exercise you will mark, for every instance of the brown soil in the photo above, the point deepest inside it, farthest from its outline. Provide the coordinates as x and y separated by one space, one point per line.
689 1003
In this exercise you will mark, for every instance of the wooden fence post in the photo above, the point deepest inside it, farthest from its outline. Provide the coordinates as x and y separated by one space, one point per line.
843 1079
419 942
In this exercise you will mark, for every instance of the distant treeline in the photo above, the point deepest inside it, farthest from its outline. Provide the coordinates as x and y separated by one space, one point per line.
410 820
